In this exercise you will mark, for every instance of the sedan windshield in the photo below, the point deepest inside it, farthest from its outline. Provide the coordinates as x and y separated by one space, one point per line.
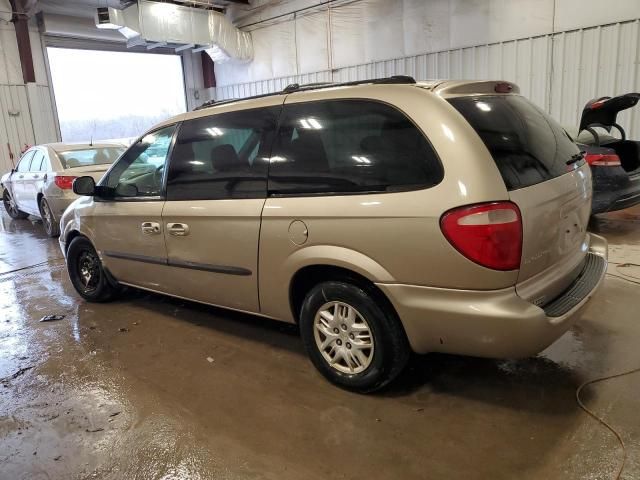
90 156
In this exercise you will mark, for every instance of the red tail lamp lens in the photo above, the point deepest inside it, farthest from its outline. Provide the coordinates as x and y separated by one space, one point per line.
489 234
65 182
603 159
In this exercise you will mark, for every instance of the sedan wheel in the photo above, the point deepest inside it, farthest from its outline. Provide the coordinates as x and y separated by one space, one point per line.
11 207
48 220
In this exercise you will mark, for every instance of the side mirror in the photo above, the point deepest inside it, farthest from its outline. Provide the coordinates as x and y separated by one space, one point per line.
84 186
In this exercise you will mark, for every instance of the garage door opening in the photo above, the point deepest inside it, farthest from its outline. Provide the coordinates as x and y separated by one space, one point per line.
114 95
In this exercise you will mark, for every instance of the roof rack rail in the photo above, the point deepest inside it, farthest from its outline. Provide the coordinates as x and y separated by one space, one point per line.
212 103
295 87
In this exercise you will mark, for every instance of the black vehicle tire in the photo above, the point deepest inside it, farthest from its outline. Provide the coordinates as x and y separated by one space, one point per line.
48 220
12 209
345 336
87 274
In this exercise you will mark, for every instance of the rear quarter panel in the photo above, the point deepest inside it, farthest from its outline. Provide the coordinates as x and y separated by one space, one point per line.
386 237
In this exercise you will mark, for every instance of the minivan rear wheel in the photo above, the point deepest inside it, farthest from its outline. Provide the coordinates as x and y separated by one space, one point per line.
86 272
352 338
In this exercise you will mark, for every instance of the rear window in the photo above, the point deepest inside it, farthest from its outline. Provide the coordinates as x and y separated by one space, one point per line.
528 146
90 156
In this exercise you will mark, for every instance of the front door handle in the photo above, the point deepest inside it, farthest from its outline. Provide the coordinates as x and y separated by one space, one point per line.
178 229
150 228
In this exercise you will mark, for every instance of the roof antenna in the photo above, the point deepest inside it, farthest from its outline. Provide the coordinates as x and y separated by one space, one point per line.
92 134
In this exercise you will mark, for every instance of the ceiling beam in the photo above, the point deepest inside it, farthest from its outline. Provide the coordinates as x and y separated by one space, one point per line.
151 46
184 47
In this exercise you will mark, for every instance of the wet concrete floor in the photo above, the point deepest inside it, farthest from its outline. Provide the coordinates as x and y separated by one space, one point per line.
148 387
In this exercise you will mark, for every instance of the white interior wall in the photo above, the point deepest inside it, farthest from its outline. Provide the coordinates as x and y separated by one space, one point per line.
26 111
561 52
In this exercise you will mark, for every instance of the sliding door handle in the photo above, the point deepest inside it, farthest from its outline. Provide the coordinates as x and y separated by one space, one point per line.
178 229
150 228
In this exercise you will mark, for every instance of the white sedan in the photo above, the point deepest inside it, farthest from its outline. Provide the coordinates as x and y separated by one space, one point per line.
40 185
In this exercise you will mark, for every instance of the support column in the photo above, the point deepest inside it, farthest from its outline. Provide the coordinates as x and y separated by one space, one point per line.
21 24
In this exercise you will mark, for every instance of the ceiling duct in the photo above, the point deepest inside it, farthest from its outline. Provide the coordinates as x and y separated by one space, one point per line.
165 24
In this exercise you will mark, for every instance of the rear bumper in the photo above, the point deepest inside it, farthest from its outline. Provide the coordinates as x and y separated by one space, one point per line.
59 204
619 195
496 323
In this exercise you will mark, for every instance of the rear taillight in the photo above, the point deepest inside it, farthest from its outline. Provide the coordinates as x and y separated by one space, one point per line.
65 182
603 159
489 234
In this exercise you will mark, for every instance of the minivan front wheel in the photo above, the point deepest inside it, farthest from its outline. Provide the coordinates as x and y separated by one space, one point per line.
86 272
352 338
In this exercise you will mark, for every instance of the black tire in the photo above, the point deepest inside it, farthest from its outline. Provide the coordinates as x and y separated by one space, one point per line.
87 274
391 348
12 209
49 222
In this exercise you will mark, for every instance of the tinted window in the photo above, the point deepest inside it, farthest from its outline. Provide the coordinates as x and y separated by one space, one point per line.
222 156
346 146
90 156
25 161
140 170
36 161
527 145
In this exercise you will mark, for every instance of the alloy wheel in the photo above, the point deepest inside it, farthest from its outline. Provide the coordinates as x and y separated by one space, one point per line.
9 205
47 217
343 337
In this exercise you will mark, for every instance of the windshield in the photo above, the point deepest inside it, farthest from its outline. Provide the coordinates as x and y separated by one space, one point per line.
90 156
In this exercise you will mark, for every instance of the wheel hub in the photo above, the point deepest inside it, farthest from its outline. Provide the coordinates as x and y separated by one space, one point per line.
89 270
343 337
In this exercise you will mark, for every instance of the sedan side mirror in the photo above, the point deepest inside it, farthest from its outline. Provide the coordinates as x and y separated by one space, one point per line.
84 186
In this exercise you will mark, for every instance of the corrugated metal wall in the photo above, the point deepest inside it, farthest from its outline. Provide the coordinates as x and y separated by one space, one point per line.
560 72
27 113
15 123
41 109
26 118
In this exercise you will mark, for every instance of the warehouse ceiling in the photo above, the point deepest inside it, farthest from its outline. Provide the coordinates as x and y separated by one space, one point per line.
87 8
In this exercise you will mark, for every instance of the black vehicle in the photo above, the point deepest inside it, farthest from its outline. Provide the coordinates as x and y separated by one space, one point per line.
614 160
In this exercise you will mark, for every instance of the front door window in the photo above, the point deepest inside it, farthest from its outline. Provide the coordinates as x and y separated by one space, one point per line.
140 171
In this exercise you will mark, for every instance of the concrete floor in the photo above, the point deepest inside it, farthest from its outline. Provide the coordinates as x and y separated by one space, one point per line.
126 390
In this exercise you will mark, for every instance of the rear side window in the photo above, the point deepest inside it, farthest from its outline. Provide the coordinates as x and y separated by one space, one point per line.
349 146
528 146
222 156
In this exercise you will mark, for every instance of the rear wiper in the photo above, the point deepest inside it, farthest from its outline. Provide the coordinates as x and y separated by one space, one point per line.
575 158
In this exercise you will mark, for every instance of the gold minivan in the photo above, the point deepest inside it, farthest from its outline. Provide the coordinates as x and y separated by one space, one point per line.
382 217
